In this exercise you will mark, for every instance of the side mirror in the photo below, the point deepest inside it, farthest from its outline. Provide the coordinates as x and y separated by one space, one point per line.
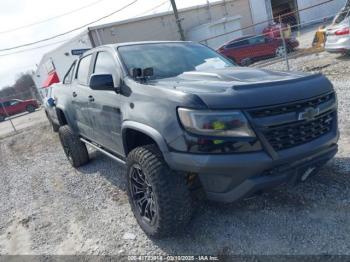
101 82
143 74
51 102
136 73
147 72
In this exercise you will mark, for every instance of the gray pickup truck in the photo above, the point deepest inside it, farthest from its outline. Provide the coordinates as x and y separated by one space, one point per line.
185 119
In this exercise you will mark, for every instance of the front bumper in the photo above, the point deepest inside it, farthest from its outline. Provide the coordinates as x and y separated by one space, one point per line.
227 178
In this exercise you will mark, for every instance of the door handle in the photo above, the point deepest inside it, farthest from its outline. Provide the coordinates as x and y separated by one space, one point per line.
91 99
74 94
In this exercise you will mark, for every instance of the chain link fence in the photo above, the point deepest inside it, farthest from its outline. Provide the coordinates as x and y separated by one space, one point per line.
285 41
19 110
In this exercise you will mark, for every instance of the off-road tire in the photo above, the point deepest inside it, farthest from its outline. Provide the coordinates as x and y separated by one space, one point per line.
2 118
173 203
74 149
30 108
55 127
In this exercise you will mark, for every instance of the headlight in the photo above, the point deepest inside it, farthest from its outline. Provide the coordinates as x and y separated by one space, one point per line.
211 123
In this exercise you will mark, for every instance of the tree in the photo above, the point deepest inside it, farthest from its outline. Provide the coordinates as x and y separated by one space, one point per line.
23 88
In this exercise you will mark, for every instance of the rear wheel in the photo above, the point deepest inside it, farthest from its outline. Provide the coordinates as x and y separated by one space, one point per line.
2 118
246 61
74 149
159 197
280 51
55 127
30 108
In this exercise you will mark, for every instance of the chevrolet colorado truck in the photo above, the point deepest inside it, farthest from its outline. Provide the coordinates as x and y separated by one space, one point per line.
185 119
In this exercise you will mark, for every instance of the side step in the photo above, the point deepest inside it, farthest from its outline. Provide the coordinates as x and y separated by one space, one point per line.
103 151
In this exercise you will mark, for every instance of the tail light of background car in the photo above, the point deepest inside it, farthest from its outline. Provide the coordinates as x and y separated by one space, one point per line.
343 31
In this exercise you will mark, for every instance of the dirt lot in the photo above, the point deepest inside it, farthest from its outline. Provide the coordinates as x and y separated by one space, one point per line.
47 207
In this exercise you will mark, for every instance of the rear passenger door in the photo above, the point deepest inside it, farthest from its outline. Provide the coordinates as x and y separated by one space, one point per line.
80 93
105 109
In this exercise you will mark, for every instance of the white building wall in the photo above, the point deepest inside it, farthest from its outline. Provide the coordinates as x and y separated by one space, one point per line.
261 13
318 13
225 29
163 26
61 57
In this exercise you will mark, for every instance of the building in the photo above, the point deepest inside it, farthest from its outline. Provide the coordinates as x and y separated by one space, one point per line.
212 24
56 63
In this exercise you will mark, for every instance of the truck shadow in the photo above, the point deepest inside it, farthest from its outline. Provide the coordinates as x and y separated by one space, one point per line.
321 204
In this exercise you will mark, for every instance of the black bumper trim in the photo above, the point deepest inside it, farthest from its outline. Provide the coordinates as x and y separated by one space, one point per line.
277 176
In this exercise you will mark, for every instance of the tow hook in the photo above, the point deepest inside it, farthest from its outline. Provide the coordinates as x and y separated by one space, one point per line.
307 173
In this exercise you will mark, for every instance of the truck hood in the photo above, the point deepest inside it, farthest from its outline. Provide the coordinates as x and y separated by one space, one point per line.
243 87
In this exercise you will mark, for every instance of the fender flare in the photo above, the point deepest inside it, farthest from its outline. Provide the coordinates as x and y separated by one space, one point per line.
59 108
147 130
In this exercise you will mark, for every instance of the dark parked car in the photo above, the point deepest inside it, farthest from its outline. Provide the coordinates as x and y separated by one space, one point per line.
16 106
187 121
248 49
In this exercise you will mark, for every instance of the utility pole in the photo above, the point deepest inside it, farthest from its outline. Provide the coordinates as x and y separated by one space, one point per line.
178 21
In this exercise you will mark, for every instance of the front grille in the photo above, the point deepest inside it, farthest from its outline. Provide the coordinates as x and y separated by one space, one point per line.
293 107
297 133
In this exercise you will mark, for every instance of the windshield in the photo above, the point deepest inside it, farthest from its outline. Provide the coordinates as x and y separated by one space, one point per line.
172 59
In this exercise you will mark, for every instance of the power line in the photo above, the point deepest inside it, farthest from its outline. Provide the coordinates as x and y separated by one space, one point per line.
61 41
50 19
157 6
34 48
70 31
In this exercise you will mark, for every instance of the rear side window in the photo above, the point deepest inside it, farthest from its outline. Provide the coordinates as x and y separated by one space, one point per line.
68 78
83 70
238 43
6 104
257 40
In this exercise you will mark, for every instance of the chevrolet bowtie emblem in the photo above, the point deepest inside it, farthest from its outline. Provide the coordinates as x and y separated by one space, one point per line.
309 113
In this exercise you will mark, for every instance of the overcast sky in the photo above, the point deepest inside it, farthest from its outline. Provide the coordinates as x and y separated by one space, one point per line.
16 13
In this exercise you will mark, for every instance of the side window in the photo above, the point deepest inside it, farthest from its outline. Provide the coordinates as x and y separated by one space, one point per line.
13 102
257 40
238 43
105 64
69 75
6 104
83 70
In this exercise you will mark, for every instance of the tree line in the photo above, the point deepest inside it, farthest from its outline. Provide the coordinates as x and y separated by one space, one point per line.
23 88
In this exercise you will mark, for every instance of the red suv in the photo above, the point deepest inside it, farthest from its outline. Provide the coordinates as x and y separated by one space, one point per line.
16 106
248 49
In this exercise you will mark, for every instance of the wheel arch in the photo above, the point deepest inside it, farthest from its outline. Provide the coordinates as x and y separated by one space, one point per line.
149 134
62 120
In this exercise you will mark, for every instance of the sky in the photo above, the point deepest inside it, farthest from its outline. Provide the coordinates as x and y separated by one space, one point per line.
18 13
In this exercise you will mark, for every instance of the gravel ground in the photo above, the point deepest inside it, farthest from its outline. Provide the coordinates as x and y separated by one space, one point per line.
22 121
47 207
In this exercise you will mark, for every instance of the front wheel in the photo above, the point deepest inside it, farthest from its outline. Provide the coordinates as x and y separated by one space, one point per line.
159 197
